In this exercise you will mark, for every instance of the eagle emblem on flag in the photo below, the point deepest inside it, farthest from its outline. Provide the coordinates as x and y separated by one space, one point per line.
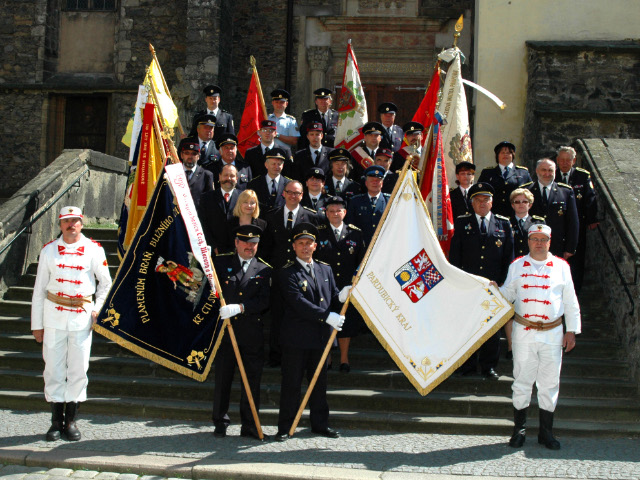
418 276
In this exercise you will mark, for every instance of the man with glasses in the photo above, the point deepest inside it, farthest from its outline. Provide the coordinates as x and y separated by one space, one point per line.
256 156
483 245
277 250
540 287
555 202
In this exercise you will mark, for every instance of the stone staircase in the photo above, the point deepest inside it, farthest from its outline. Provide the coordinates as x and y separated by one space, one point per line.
597 396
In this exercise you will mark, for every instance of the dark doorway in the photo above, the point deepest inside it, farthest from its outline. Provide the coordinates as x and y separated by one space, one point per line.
406 97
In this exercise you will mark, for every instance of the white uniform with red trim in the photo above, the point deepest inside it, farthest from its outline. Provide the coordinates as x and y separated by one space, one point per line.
68 271
540 291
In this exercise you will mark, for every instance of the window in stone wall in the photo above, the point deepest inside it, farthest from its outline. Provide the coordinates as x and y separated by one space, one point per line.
85 123
95 5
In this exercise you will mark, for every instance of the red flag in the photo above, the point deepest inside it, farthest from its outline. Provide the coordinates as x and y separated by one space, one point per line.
427 107
254 113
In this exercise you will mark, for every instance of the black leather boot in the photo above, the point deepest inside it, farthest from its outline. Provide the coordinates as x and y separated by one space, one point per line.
519 423
70 428
545 435
57 422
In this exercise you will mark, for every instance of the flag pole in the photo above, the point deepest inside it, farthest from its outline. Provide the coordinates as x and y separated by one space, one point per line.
159 131
252 61
164 82
355 280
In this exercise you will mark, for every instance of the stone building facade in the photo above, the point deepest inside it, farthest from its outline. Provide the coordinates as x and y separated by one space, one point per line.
71 68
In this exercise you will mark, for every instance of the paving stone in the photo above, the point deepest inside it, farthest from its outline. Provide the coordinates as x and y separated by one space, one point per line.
107 476
59 472
84 474
127 476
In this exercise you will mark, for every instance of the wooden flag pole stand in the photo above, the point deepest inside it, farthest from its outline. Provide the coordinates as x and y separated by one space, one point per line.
356 278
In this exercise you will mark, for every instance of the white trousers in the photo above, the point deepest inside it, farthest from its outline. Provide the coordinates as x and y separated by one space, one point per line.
540 363
66 361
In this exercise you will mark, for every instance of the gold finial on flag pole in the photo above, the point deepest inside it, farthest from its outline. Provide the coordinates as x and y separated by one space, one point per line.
458 28
252 61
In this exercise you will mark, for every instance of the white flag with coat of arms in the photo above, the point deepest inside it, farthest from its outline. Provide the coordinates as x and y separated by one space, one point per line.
429 315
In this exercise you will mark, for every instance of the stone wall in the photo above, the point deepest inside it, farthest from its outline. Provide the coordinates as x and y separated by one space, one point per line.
613 250
580 90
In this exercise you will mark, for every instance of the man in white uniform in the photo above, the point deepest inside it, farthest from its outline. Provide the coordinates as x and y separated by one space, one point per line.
62 315
540 287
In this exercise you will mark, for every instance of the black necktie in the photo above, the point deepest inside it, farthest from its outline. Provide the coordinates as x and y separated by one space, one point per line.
521 222
314 202
336 232
290 221
483 226
506 172
203 151
338 187
565 177
545 198
189 175
373 202
245 265
274 188
316 154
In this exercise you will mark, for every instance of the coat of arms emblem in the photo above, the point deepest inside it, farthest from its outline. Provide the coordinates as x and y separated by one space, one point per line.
418 276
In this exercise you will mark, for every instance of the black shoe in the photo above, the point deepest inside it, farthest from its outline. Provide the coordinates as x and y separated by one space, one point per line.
519 425
70 427
281 436
57 422
327 432
545 435
220 431
491 374
345 367
253 433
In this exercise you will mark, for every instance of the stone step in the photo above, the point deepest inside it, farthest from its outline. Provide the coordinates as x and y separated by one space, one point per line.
370 359
101 234
340 418
129 368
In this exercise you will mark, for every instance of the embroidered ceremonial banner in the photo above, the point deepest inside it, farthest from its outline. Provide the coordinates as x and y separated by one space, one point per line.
161 305
456 138
429 315
352 106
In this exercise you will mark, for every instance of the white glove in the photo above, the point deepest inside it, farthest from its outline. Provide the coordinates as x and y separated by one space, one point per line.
229 311
335 320
344 293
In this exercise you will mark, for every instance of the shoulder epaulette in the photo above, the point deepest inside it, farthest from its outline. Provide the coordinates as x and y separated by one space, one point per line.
320 261
560 184
256 178
464 215
538 218
290 179
501 217
223 110
261 260
353 227
526 184
309 209
225 254
97 243
321 227
290 116
386 195
288 264
50 241
522 167
311 110
583 170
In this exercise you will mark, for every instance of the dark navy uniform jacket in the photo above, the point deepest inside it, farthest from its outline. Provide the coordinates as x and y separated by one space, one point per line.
308 303
319 207
255 158
560 213
329 130
224 123
266 200
200 183
252 289
459 204
303 161
521 235
348 189
275 243
392 138
343 255
516 177
486 255
585 195
361 214
215 213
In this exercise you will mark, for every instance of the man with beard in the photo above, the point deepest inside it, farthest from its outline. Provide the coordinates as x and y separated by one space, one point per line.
200 180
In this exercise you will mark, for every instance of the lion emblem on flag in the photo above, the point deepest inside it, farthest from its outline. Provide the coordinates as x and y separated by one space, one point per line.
418 276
